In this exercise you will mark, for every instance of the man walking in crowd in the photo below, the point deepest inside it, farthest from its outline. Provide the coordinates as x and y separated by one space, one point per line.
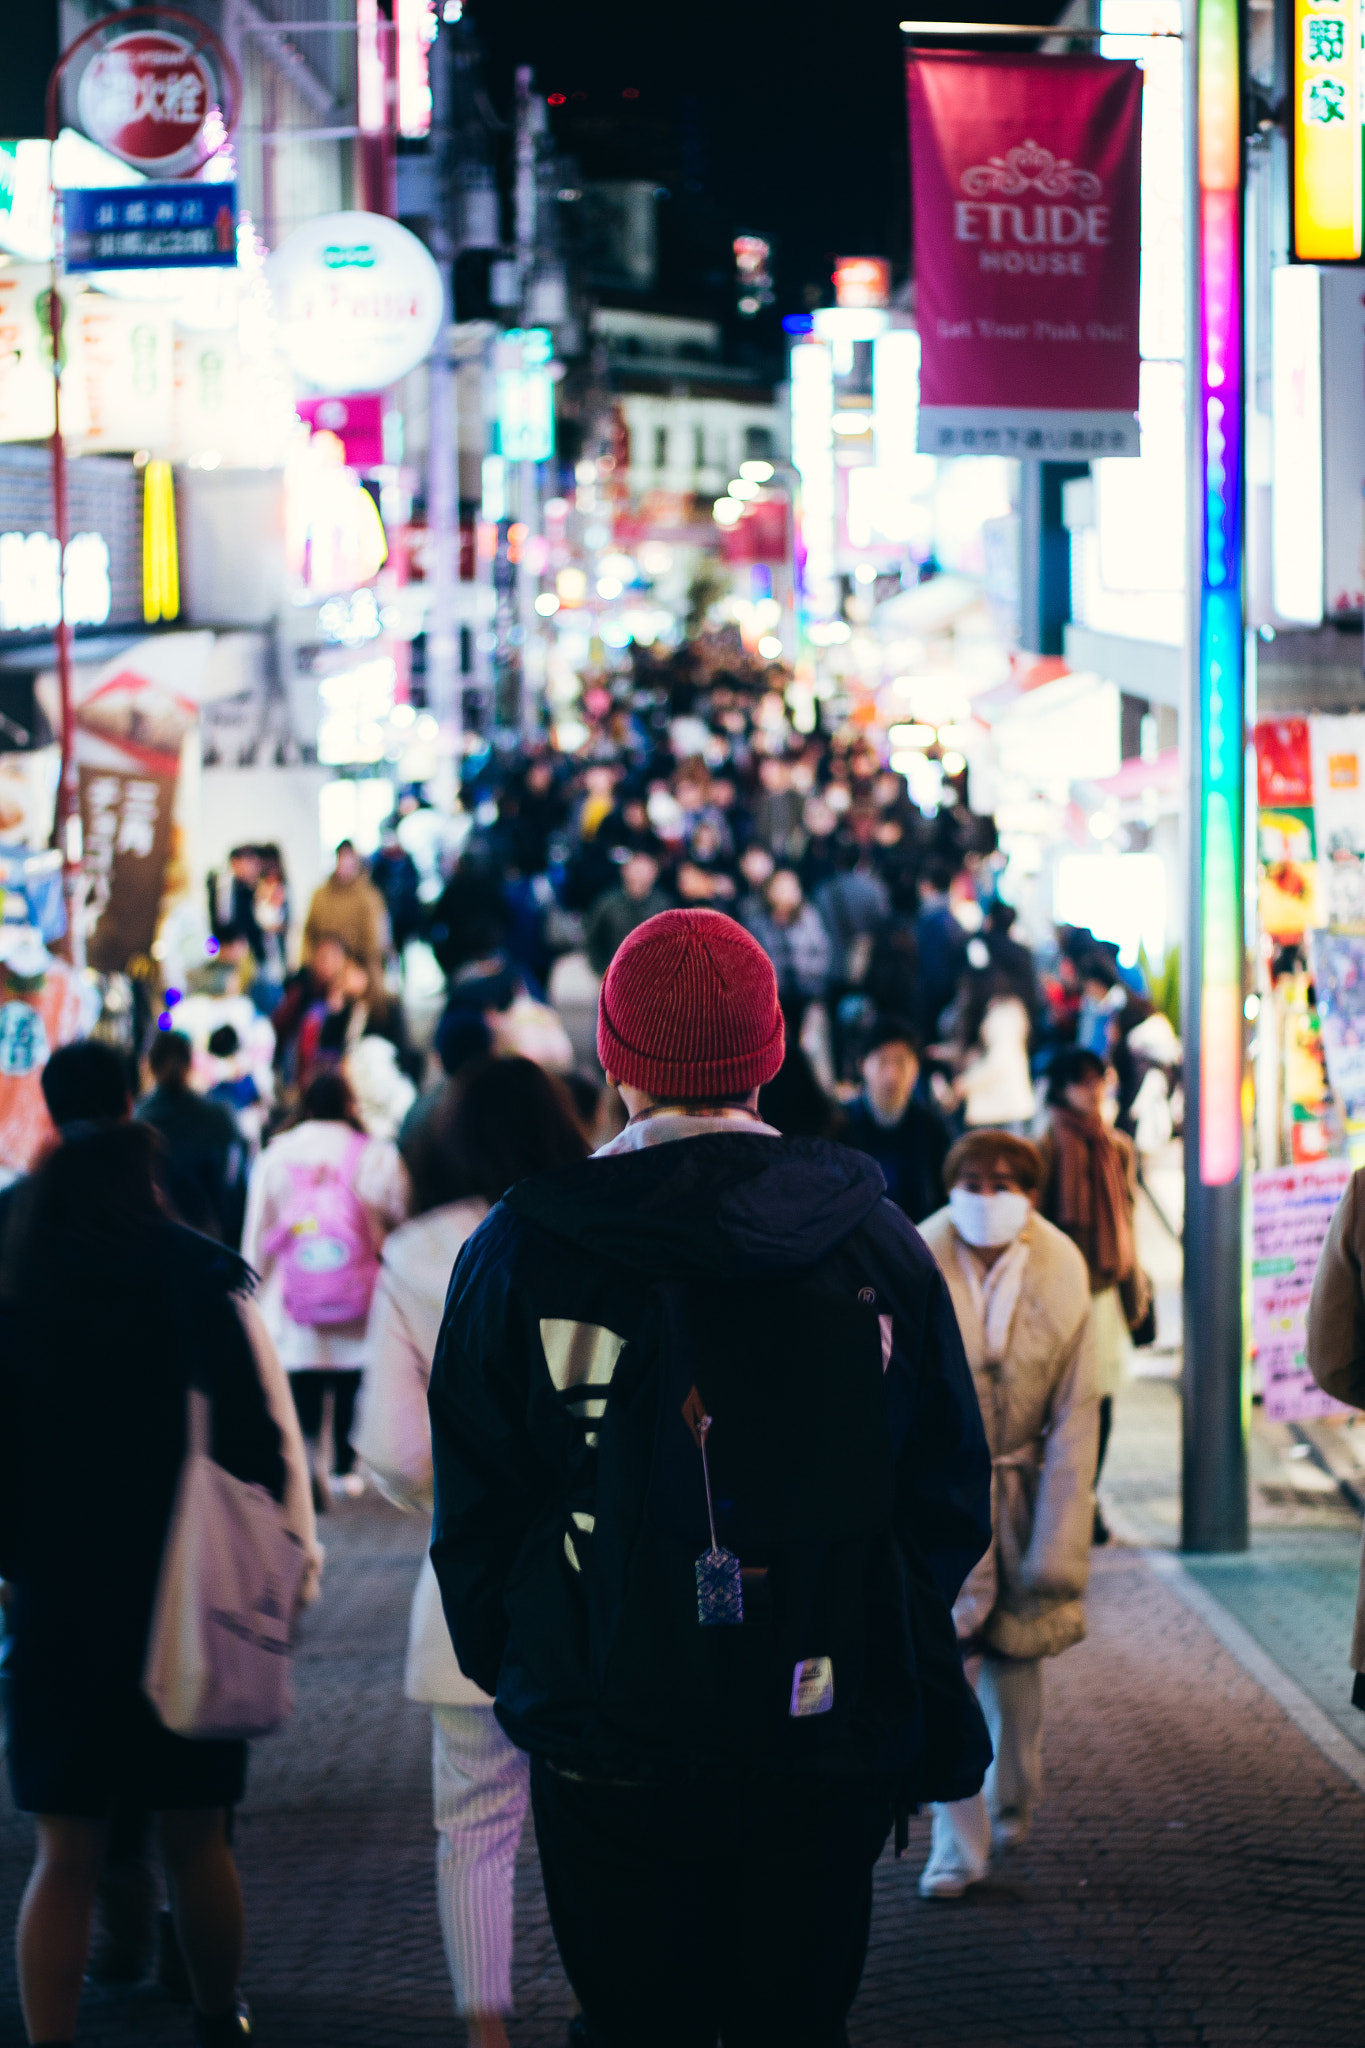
396 879
348 907
793 937
232 903
942 947
907 1138
618 911
706 1575
202 1168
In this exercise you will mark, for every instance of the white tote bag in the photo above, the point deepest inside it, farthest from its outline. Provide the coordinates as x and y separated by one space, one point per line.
218 1658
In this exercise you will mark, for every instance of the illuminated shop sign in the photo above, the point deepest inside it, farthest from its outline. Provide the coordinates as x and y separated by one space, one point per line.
30 581
523 363
1220 625
1326 131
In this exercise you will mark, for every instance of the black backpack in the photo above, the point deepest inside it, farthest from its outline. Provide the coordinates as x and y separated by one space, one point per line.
845 1661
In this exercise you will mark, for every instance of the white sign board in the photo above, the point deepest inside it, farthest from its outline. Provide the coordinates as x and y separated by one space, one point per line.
358 299
1291 1208
1343 442
121 356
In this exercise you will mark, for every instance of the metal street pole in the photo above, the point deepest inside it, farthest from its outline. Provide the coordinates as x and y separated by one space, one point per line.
443 684
67 831
1214 1512
530 119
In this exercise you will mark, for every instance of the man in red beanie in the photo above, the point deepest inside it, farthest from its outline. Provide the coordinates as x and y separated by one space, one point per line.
709 1475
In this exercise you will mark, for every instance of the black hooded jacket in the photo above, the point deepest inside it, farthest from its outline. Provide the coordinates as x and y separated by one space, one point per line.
569 1263
92 1437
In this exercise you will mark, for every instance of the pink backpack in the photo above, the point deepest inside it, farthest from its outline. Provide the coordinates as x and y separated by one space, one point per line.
325 1245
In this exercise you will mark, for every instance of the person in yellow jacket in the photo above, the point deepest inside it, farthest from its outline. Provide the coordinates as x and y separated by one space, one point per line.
348 907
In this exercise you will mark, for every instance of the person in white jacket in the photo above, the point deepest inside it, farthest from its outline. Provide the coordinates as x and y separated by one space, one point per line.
499 1121
1021 1293
326 1142
993 1083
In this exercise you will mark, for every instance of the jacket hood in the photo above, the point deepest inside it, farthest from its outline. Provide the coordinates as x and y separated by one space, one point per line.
727 1204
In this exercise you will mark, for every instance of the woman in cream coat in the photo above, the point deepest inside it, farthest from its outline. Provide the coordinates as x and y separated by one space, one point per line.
1021 1292
501 1120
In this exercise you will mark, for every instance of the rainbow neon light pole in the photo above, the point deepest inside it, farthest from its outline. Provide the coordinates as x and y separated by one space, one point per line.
1214 1479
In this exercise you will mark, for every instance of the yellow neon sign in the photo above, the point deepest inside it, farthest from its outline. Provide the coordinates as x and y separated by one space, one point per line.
160 556
1327 138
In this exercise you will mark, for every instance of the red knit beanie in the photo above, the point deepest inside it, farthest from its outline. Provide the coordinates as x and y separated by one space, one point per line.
689 1009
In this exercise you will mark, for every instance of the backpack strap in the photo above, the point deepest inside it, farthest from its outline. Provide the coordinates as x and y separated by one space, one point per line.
198 1418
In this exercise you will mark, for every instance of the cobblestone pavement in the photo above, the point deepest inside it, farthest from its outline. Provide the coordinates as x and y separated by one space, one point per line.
1294 1591
1194 1877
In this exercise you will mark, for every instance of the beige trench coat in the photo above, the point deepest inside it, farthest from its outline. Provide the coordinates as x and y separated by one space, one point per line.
1336 1334
1041 1414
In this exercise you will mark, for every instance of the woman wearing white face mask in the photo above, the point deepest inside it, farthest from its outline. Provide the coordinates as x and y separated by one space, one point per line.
1022 1296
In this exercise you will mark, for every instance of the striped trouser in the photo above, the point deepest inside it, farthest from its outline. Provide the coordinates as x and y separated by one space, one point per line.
480 1786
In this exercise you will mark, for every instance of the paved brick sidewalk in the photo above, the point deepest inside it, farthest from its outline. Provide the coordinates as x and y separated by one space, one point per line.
1195 1876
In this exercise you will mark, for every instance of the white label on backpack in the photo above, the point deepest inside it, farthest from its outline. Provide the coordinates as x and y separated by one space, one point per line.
320 1255
812 1687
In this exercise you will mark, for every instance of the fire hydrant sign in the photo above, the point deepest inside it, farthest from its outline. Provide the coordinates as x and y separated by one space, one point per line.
1026 179
146 96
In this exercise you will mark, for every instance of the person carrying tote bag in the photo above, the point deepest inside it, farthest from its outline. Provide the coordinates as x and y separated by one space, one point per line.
218 1662
99 1295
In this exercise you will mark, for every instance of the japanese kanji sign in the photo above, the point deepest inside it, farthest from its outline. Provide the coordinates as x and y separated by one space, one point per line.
150 227
1326 131
146 97
126 829
133 717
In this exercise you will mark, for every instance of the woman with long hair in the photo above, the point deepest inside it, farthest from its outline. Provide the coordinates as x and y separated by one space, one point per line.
321 1199
496 1122
109 1313
1089 1190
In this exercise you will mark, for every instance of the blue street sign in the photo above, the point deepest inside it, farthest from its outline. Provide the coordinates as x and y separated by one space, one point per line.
150 227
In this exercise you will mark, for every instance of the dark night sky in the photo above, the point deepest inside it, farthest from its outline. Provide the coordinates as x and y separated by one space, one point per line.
790 117
781 120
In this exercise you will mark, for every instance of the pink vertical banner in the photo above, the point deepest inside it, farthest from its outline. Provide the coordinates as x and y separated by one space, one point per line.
1026 181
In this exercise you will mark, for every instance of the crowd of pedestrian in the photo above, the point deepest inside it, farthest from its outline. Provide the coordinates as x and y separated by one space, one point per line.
744 1492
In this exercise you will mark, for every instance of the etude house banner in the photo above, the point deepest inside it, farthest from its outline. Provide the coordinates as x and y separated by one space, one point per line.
1026 180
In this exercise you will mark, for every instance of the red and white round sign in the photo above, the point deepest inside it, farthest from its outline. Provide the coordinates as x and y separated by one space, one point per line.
146 96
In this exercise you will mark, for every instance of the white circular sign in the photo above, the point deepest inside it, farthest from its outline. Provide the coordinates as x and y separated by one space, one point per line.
358 301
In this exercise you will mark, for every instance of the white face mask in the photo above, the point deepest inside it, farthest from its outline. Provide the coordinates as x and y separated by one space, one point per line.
988 1220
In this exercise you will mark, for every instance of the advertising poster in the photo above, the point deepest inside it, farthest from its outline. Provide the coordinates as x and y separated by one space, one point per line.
133 715
1284 763
1338 754
25 352
1289 902
44 1007
126 818
1337 963
1291 1209
1026 185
